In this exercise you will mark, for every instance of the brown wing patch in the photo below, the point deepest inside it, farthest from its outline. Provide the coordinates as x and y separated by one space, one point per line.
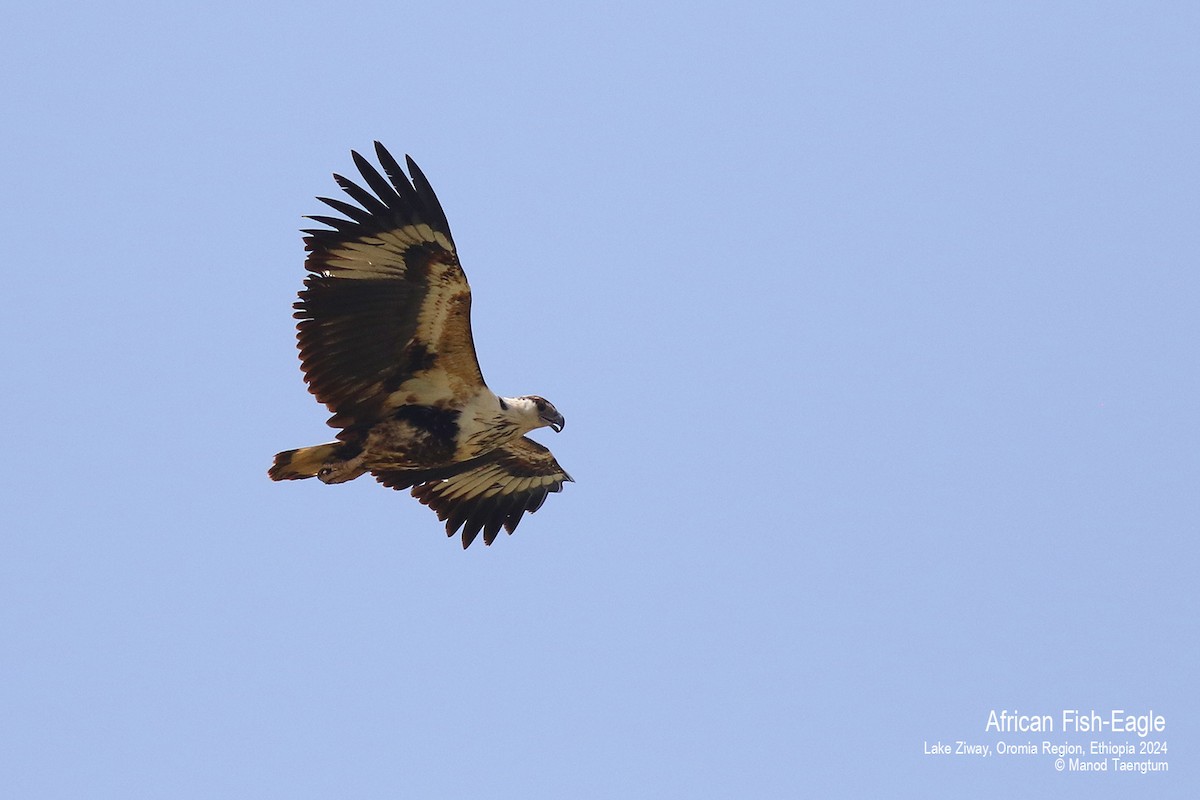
487 493
386 299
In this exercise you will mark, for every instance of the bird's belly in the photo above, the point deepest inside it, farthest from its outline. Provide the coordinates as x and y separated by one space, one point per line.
400 444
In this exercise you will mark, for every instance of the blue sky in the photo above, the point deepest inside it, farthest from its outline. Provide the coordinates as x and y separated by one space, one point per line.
874 329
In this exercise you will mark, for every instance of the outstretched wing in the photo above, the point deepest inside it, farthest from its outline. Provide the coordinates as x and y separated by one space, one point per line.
488 492
385 315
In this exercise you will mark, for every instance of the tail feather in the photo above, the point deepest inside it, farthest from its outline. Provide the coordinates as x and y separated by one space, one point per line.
306 462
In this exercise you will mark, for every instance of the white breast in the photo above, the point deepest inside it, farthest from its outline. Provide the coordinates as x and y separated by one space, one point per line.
484 425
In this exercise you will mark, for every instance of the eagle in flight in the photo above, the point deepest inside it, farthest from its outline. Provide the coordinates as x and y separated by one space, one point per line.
385 343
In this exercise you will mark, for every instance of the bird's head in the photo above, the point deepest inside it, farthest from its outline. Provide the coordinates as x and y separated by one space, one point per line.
535 412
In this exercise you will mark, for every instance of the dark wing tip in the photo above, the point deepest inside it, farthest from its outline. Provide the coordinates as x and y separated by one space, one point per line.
385 156
385 202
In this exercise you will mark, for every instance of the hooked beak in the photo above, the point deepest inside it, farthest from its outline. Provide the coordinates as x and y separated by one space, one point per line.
556 422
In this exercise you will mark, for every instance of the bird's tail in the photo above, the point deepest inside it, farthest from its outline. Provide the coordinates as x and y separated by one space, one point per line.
292 465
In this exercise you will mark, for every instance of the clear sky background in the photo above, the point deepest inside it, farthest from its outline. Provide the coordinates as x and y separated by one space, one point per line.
875 330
